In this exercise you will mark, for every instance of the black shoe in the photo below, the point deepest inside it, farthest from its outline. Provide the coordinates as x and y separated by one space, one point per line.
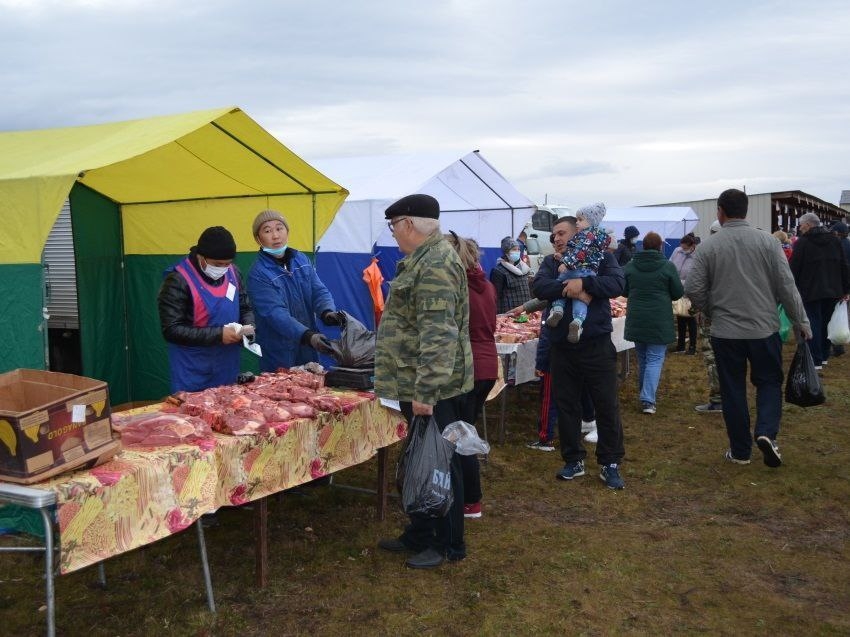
772 457
429 558
691 352
709 408
394 545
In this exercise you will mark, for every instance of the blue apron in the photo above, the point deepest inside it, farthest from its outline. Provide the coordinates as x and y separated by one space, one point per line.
197 367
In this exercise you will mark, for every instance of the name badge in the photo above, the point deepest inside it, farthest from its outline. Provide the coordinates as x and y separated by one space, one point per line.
231 291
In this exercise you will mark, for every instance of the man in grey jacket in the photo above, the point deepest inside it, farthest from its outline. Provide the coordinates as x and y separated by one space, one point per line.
738 279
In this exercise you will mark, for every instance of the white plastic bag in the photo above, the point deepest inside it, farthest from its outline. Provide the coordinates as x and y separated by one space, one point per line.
838 330
465 437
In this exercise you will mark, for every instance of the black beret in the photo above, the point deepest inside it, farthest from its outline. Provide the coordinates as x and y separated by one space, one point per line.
217 243
414 206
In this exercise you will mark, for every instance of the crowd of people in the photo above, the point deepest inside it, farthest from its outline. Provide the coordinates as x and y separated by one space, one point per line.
435 347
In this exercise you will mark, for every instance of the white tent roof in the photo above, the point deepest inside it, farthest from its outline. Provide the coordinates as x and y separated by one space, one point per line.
462 186
673 221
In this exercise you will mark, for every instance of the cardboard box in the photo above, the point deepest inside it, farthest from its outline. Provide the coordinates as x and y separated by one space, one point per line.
50 423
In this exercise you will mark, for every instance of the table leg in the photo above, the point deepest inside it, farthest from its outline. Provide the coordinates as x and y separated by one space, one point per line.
383 454
202 545
261 533
504 407
48 573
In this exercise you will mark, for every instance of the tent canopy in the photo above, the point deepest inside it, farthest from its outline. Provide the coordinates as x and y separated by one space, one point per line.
141 192
476 201
474 197
674 221
156 168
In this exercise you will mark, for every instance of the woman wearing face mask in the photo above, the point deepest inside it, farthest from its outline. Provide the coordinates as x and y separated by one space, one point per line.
511 277
288 296
198 298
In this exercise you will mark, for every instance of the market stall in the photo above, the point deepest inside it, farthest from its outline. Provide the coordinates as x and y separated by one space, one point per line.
147 493
140 193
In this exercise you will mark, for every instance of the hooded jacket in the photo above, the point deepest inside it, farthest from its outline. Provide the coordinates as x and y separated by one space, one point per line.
482 325
818 266
652 283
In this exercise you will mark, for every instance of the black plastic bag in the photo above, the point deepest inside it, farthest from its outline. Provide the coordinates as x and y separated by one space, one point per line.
803 386
423 474
356 344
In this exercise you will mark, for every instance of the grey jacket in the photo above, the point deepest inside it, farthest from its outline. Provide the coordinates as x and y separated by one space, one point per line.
739 275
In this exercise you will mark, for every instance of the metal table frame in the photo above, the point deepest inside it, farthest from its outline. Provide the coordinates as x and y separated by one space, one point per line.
44 502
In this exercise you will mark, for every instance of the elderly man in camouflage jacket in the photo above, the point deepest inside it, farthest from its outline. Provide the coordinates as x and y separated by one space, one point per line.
424 358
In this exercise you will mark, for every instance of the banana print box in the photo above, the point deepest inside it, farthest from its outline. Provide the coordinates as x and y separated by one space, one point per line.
50 423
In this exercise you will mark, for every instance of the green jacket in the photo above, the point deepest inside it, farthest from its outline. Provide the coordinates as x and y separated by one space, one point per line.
423 351
652 284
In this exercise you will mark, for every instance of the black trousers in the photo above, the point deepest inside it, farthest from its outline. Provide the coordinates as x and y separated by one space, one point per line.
686 324
444 535
590 363
472 405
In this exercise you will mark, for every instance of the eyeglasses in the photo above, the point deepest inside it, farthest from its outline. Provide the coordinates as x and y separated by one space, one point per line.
392 223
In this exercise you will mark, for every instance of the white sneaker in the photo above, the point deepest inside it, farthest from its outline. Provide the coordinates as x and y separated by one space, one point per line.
587 426
593 436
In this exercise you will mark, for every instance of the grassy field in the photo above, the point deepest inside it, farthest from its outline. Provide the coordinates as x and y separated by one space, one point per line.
692 545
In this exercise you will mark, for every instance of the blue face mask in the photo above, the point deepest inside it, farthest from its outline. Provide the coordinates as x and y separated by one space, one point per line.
275 252
513 255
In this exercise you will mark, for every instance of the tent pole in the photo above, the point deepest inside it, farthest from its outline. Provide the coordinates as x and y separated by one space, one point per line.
313 198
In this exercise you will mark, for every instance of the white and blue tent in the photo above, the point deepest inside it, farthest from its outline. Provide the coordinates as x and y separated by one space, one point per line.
476 201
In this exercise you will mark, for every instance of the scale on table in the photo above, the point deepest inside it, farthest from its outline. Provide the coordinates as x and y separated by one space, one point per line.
350 377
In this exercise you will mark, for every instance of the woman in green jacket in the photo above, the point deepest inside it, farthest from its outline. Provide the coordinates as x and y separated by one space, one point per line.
652 284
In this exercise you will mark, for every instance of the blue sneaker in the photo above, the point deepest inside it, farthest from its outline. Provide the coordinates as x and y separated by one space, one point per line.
610 475
571 470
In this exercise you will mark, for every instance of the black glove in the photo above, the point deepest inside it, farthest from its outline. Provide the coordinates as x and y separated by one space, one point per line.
330 317
321 344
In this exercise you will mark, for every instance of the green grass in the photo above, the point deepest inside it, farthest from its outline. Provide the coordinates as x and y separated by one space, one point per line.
692 545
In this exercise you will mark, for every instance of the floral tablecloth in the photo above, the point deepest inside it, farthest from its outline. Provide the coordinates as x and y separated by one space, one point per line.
145 495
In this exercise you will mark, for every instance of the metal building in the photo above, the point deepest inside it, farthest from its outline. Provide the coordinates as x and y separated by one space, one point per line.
769 211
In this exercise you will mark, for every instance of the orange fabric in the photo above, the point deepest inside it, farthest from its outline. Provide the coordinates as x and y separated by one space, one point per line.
373 278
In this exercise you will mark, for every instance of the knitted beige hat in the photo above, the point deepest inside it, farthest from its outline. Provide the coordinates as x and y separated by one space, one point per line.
267 215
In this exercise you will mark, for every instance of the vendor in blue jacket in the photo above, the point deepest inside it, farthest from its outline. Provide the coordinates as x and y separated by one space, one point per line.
591 362
287 296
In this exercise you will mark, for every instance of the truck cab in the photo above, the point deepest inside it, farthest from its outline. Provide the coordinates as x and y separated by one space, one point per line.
538 229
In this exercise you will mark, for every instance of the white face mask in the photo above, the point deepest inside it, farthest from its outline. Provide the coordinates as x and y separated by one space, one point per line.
215 272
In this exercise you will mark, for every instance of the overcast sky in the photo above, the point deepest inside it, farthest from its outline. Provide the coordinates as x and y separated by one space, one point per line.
628 103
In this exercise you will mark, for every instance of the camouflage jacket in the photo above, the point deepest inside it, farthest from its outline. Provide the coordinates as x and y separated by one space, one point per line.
423 351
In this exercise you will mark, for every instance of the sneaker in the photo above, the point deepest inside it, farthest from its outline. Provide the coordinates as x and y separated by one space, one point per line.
818 367
572 470
770 450
648 408
730 458
587 426
709 408
575 331
555 317
542 445
592 436
610 475
680 351
472 510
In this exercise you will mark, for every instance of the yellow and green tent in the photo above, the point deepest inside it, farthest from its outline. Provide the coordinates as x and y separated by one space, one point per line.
140 194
